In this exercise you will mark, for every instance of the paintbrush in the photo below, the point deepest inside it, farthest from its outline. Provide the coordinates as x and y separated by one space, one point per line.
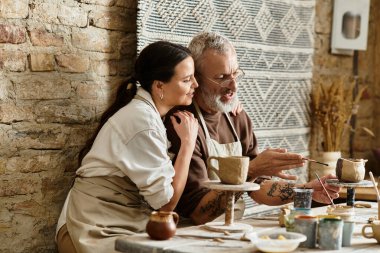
324 188
314 161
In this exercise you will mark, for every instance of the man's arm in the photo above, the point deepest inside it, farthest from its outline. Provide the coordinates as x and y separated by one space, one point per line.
212 205
281 192
274 193
272 162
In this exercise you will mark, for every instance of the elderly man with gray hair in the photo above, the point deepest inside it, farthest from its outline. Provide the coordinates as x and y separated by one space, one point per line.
223 133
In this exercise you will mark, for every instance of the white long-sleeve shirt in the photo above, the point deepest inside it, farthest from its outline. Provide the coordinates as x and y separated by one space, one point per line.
132 143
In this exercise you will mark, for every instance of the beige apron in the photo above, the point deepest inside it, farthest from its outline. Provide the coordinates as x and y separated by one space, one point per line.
216 149
101 209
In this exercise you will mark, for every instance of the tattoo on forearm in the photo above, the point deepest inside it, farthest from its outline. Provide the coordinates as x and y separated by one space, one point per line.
216 206
284 192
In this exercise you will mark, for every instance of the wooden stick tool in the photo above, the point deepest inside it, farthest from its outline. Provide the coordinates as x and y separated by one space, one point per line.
377 194
324 188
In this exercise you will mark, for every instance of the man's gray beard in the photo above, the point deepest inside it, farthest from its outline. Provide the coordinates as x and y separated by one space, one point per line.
214 103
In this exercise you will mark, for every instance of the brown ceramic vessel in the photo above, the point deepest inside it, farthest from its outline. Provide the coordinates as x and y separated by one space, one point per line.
162 225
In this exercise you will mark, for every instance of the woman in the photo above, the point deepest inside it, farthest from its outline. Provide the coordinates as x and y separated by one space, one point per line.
127 172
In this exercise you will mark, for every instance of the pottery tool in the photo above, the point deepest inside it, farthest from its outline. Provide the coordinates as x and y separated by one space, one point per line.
374 186
275 218
214 237
314 161
362 205
377 194
324 188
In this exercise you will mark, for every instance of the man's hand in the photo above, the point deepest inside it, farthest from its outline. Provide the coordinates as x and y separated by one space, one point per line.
272 162
319 194
239 107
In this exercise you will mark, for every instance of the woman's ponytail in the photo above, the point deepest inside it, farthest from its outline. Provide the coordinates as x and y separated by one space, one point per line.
124 94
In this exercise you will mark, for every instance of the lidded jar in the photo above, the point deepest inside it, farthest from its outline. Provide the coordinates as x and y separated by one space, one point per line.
162 225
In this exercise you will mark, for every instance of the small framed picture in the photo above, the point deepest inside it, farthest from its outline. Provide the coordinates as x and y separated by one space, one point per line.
350 24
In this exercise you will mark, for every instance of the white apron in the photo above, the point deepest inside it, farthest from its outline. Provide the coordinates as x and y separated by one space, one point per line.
216 149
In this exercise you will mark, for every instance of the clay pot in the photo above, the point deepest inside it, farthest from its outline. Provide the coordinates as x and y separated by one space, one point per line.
162 225
231 169
350 170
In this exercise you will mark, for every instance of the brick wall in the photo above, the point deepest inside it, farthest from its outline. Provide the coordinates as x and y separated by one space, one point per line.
331 68
59 62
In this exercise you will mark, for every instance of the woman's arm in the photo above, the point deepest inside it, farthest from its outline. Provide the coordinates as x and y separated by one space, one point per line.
187 130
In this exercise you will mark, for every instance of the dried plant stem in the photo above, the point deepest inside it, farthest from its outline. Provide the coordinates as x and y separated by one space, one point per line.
332 108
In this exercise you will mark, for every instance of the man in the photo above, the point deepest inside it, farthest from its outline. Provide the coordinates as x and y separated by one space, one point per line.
222 134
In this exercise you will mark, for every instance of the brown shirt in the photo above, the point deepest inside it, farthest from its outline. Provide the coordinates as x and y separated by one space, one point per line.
220 130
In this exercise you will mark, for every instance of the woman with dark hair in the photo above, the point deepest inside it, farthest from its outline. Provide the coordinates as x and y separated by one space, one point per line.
126 171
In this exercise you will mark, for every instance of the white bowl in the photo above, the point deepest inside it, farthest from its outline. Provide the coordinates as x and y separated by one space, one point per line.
275 245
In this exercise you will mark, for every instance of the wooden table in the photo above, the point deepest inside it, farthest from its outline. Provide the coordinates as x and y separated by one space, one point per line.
202 240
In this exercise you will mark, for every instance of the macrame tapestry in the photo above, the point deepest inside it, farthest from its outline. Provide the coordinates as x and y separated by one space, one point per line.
274 43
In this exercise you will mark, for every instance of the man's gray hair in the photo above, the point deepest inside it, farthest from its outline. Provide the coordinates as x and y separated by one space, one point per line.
208 40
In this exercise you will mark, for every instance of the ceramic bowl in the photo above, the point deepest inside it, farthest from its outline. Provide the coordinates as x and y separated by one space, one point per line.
270 242
347 213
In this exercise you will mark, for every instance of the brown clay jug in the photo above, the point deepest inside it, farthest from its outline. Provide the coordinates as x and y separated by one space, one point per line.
162 225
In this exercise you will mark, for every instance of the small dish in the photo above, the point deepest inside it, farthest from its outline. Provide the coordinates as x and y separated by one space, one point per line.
270 242
347 213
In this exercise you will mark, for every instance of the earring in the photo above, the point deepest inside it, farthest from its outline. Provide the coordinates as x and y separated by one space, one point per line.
162 95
